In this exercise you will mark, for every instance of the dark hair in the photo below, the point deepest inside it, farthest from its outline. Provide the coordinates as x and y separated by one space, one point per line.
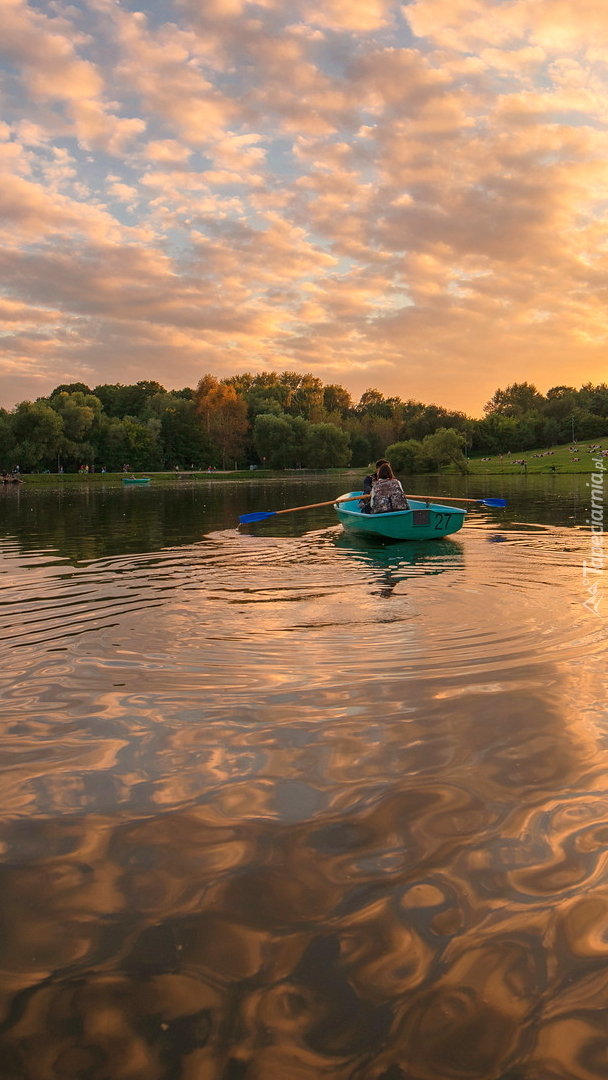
385 472
381 461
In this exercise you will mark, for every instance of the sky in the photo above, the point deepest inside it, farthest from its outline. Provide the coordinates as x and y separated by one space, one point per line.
406 196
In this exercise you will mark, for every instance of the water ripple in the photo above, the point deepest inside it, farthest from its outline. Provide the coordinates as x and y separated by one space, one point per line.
297 806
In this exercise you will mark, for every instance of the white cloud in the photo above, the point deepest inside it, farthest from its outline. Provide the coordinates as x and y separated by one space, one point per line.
306 187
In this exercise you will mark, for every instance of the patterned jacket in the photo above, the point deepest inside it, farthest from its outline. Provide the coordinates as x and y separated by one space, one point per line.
387 495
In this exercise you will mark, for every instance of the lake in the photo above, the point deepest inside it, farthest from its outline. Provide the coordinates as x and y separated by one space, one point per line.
278 803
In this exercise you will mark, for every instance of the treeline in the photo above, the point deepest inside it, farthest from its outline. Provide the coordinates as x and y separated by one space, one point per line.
282 420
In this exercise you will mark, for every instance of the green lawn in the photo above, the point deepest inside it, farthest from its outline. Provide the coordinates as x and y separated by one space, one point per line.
539 461
51 479
47 479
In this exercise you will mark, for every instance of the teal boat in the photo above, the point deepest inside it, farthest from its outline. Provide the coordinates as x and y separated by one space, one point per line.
423 521
136 479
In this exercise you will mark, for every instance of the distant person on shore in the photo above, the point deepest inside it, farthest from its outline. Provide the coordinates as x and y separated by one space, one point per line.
368 483
387 493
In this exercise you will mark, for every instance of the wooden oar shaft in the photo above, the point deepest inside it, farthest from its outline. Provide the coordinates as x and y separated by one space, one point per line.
450 497
330 502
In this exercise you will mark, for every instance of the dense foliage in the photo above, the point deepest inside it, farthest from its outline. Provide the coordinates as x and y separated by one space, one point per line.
282 420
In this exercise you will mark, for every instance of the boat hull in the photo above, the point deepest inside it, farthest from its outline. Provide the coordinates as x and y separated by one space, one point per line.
137 480
423 521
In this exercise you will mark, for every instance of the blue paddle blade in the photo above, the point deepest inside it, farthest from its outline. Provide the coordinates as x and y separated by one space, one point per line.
493 502
260 515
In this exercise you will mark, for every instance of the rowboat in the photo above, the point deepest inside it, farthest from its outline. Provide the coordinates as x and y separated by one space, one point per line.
423 521
136 479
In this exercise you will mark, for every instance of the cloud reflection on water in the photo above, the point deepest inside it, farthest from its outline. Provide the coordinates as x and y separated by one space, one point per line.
308 817
397 926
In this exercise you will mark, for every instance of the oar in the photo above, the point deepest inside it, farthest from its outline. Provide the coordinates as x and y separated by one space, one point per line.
484 502
261 515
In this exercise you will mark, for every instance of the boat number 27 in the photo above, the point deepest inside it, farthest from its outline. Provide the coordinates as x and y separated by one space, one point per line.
441 521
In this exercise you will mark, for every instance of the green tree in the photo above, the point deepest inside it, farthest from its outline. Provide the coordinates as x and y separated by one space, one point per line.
532 430
407 456
361 451
497 434
427 419
81 415
37 430
588 425
372 401
326 447
381 420
71 388
7 441
594 399
445 447
131 400
78 412
336 399
558 392
554 432
267 401
380 431
273 440
111 448
224 415
280 441
514 400
141 443
130 442
183 437
300 429
561 403
305 397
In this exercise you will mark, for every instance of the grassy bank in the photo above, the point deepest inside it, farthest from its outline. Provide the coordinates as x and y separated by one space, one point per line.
545 460
52 479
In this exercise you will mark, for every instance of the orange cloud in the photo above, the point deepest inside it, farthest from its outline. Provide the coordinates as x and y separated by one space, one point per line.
312 188
358 15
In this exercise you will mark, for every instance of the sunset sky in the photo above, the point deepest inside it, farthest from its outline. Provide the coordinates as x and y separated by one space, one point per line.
404 196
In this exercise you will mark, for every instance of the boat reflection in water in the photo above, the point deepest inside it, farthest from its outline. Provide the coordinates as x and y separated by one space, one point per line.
398 560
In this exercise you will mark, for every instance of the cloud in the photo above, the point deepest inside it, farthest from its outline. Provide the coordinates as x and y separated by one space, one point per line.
124 193
42 48
413 194
168 151
96 128
31 211
162 69
472 25
357 15
26 208
19 314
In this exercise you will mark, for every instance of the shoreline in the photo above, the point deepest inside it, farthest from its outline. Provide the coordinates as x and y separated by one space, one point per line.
242 476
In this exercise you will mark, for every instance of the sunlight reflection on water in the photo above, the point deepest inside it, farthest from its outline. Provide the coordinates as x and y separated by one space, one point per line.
294 806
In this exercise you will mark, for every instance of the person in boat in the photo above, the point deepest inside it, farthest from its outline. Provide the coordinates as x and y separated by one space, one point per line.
387 493
368 483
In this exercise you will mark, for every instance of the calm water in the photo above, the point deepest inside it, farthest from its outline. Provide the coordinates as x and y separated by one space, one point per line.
277 804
